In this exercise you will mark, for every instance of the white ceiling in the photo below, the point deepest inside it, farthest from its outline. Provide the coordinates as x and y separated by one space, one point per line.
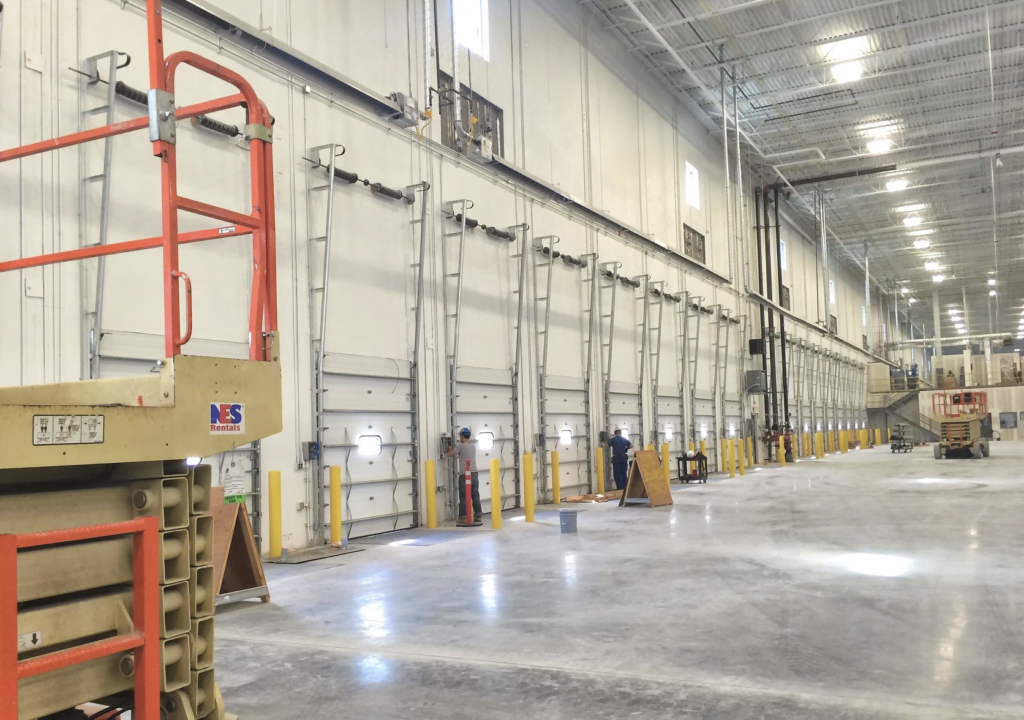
939 78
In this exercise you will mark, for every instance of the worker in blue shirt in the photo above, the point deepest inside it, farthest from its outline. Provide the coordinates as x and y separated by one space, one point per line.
620 448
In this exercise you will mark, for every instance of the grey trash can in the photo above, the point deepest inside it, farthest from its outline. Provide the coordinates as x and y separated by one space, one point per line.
567 517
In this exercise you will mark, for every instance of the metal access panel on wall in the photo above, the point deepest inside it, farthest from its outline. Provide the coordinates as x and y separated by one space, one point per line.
368 426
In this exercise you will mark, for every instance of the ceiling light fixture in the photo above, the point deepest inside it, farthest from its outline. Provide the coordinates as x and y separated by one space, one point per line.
912 208
922 244
938 277
961 331
991 281
918 233
879 146
933 265
912 301
897 185
847 71
912 220
991 293
904 290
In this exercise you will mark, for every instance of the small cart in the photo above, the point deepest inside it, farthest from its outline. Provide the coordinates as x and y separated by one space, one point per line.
901 439
700 467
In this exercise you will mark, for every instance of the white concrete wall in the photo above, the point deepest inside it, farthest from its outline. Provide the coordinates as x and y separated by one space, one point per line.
581 114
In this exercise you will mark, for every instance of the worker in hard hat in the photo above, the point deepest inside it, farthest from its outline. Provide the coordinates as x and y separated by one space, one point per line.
620 447
465 451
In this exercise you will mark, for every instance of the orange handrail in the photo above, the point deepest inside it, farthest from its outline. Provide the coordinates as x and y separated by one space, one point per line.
259 222
144 641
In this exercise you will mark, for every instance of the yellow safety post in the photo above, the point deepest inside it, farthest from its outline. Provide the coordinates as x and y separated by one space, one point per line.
600 470
888 434
275 513
820 438
808 445
844 441
828 441
691 447
430 488
878 436
528 486
665 463
724 467
649 447
782 451
496 494
750 451
704 448
556 479
741 456
335 504
731 449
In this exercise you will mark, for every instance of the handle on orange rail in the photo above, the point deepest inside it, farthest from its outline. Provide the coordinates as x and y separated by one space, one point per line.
188 305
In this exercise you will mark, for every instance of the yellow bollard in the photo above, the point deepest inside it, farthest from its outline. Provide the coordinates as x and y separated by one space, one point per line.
740 456
649 447
821 446
691 447
430 488
731 445
878 436
782 451
665 457
750 451
828 441
889 434
724 467
704 448
844 441
808 445
496 494
528 486
275 513
556 479
335 504
600 470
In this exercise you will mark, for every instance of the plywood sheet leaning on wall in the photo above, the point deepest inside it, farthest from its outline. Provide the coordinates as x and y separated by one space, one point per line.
236 561
646 484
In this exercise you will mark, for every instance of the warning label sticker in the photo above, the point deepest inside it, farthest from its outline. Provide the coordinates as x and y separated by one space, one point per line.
29 640
67 429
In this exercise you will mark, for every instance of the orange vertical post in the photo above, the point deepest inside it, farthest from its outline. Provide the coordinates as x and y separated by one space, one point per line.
9 627
146 564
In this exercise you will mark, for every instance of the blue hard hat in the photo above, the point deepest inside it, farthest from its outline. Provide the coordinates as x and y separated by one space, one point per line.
465 432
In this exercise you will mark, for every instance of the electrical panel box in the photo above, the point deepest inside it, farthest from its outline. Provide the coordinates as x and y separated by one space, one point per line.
756 346
756 382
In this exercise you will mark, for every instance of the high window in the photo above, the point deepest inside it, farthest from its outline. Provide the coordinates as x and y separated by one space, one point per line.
692 186
472 28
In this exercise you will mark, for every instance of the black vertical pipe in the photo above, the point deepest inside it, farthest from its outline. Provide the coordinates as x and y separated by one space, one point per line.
760 289
771 313
782 318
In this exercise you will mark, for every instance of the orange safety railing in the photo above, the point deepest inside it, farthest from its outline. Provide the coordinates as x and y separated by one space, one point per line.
960 403
259 222
144 640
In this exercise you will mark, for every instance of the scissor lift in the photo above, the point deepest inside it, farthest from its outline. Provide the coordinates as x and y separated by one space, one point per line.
106 532
959 415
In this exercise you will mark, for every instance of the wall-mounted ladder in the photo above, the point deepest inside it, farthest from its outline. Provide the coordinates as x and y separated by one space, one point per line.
655 315
90 71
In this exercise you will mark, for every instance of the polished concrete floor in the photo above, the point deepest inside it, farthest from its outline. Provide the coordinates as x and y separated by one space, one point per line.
868 585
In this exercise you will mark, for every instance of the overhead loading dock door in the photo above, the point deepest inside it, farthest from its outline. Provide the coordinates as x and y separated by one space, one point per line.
564 298
368 432
622 323
483 273
362 298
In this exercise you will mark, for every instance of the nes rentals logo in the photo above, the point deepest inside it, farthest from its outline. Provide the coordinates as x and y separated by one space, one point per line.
227 418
